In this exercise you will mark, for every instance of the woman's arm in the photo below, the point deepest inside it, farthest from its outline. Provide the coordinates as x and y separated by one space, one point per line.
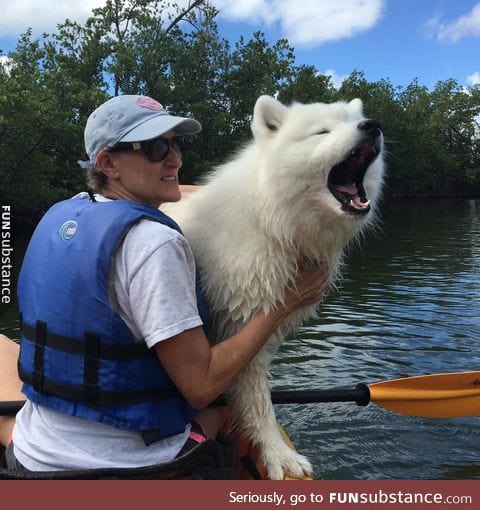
202 372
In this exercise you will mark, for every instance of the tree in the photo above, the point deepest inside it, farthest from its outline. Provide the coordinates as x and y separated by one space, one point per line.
42 109
176 55
257 68
453 121
307 85
440 148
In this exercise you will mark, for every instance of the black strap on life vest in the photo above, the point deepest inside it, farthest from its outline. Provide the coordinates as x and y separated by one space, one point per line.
104 398
93 351
76 346
91 195
37 376
90 369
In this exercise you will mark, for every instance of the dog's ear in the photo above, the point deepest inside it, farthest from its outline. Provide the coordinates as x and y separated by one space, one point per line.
268 116
356 104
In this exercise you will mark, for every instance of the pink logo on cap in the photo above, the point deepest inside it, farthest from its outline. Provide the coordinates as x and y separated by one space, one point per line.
148 102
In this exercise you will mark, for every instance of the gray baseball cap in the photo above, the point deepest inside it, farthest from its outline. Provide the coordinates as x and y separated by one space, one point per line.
130 118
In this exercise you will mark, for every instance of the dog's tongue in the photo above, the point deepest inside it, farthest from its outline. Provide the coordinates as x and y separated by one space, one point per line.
348 189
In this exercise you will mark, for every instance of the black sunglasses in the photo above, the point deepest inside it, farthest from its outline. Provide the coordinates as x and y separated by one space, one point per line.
155 150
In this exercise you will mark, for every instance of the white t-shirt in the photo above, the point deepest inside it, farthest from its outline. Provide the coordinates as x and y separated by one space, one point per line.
152 286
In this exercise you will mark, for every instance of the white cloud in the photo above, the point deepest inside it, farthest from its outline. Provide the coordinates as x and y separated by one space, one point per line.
465 26
42 15
307 22
245 10
336 79
474 79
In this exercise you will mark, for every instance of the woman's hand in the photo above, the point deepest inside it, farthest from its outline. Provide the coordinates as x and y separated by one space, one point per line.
309 286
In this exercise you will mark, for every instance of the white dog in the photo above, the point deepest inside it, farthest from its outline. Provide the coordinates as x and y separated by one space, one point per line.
306 185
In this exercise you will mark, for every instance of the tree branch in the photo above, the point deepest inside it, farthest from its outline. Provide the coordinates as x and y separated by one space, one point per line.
196 3
23 158
32 149
128 17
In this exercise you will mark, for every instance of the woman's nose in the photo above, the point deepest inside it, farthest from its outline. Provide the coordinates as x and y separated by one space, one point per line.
174 158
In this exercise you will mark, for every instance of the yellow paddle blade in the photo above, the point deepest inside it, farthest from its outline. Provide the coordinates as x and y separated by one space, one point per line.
431 396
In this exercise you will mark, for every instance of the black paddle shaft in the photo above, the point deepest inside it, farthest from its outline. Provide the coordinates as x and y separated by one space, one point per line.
360 395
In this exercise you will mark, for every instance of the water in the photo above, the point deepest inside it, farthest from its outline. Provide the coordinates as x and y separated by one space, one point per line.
409 304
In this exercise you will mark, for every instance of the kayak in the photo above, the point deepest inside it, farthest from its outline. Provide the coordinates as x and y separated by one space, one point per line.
248 465
210 461
447 395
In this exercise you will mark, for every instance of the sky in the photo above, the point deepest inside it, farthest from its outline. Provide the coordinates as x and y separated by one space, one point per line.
399 40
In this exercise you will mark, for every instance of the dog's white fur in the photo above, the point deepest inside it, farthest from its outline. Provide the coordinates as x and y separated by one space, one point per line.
250 224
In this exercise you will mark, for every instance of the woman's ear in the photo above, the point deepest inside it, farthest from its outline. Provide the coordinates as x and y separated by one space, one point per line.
106 163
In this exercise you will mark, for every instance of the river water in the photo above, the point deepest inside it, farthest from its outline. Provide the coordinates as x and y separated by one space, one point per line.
409 304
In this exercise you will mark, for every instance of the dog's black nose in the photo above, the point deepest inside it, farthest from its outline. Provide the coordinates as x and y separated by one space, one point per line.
372 126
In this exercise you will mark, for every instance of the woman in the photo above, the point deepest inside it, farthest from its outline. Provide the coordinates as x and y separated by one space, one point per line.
117 368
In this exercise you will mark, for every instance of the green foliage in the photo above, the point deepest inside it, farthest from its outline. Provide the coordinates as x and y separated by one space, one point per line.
307 85
432 137
153 47
437 152
43 108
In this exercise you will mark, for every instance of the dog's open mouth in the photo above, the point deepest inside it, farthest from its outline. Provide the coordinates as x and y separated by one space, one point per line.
345 180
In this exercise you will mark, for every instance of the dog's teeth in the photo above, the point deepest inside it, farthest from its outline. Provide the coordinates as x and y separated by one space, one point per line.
359 205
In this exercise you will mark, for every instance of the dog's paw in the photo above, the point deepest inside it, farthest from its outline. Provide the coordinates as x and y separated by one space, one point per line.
283 461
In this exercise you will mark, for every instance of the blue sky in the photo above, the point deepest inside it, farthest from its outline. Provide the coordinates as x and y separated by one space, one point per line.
401 40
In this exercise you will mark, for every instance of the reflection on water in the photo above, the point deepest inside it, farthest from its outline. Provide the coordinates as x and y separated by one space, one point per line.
409 305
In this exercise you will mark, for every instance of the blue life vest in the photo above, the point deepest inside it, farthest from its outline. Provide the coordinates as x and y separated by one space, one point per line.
77 354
